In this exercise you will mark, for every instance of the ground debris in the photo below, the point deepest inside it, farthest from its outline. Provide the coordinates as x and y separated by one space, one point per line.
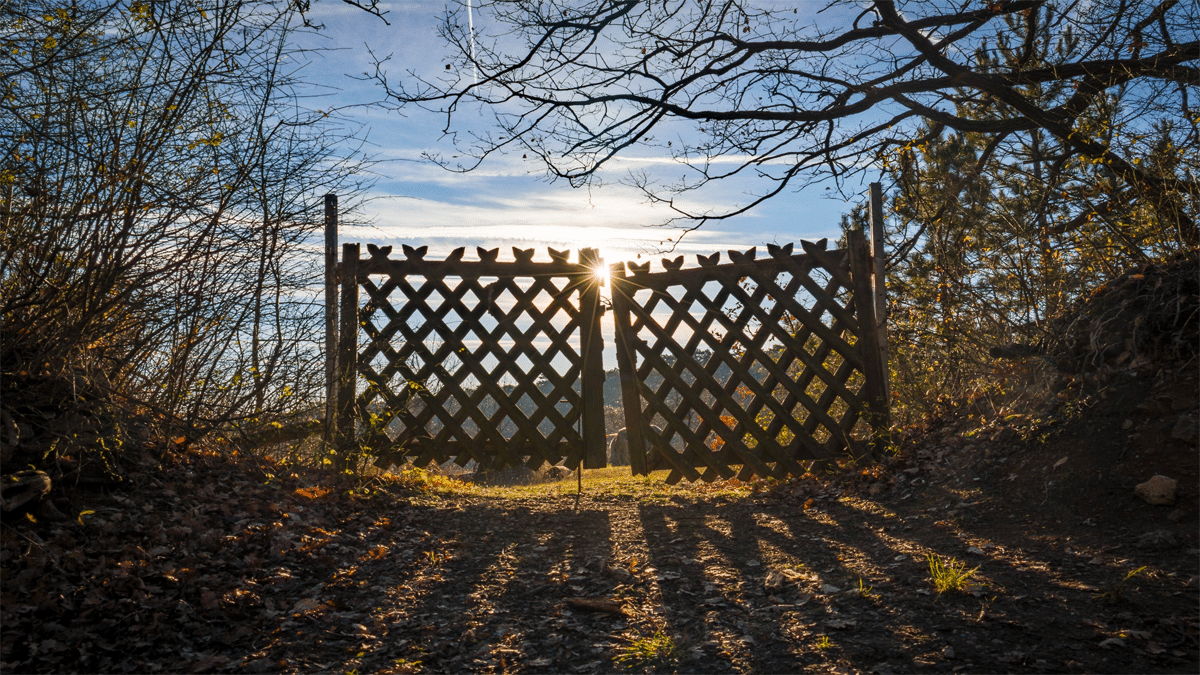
219 564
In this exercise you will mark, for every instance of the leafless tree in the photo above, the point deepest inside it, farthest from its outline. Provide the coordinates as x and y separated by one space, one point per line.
743 89
161 175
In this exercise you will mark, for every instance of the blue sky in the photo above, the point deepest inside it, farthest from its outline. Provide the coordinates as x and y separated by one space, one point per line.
507 202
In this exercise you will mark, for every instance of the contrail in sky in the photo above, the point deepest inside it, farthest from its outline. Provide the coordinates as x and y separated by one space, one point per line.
471 29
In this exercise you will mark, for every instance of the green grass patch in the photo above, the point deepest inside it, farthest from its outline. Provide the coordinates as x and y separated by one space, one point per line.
659 649
612 482
949 576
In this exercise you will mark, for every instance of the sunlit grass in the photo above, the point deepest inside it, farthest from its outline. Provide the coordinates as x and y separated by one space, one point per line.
614 482
947 576
658 649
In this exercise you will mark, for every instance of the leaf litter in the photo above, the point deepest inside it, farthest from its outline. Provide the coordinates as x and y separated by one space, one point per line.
211 563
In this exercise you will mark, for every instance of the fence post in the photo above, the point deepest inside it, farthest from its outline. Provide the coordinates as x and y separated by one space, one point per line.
331 319
620 289
347 353
879 279
592 376
875 372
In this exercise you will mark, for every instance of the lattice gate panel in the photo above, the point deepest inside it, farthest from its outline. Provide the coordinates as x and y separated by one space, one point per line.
757 363
477 360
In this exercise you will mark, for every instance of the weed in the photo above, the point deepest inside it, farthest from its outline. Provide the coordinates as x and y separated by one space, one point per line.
948 576
824 642
420 480
658 649
1116 591
406 666
864 590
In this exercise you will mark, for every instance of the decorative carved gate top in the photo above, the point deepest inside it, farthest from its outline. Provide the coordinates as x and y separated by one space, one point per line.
478 360
731 364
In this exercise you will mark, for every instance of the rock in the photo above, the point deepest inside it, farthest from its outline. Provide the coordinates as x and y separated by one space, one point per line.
558 473
618 448
774 582
22 490
620 574
9 431
1157 490
259 666
509 475
305 604
1177 516
1185 429
1158 539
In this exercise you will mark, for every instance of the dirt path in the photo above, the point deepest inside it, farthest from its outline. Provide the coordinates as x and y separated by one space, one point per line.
215 564
746 586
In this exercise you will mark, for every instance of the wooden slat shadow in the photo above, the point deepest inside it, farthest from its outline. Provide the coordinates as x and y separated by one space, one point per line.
775 370
435 358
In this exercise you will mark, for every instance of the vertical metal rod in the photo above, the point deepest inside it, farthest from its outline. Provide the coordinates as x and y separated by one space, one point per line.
879 278
331 318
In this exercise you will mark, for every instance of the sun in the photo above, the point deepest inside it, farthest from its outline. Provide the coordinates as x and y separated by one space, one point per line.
602 274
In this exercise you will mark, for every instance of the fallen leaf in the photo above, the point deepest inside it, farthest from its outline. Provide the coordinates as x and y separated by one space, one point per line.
304 605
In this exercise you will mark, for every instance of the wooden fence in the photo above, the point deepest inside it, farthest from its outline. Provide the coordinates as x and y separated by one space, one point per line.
758 364
753 367
477 360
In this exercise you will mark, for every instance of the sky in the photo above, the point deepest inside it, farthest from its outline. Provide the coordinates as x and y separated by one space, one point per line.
507 201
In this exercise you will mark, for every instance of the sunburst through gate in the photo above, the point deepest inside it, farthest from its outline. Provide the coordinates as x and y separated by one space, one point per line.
748 368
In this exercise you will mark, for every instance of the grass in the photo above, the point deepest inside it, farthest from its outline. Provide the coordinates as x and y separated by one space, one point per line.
659 649
1116 591
949 576
614 481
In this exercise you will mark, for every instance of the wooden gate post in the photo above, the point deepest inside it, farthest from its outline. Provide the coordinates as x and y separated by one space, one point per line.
875 370
348 354
621 291
879 279
331 320
591 381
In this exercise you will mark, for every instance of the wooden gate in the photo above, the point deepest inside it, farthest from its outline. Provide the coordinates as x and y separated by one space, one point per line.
474 360
757 363
749 368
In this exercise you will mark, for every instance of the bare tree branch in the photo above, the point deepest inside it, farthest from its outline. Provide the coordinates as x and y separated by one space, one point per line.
761 93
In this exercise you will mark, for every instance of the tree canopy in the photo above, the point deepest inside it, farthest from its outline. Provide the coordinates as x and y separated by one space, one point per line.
736 89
